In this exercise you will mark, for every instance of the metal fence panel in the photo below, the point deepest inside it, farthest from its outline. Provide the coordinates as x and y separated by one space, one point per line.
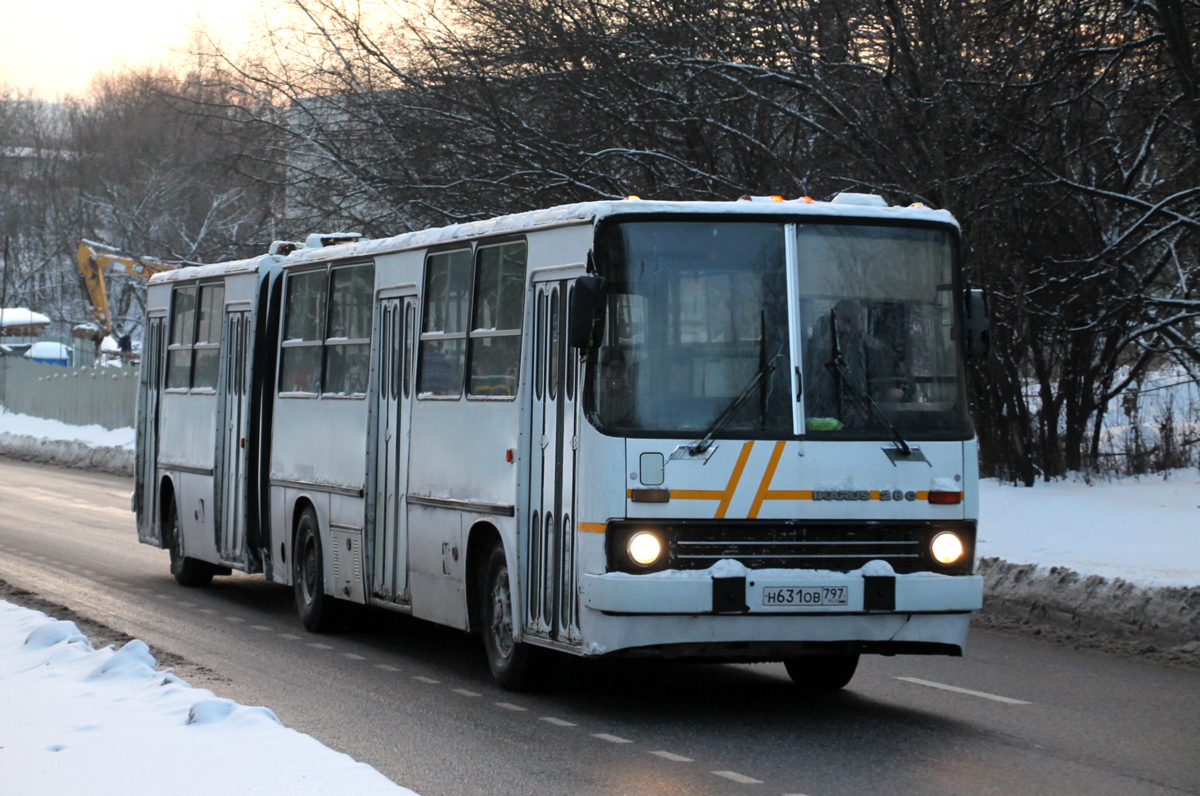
80 396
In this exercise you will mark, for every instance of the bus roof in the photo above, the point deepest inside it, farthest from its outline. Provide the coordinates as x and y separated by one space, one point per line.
843 206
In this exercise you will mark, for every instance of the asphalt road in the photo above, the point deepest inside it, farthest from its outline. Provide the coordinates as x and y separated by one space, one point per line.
1015 716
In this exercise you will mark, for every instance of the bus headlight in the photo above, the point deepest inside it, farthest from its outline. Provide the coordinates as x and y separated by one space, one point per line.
644 548
947 548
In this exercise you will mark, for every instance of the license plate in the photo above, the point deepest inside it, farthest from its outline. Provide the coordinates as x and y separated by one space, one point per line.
801 596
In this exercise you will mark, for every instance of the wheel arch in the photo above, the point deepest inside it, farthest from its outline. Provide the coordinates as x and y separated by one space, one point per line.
482 537
166 499
298 506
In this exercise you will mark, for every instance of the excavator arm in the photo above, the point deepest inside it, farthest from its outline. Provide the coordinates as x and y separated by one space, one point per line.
96 258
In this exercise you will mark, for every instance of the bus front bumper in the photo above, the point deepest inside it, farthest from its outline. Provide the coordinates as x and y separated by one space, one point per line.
781 591
747 613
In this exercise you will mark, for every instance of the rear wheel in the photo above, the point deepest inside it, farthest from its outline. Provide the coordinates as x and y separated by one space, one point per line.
822 672
308 575
188 572
516 666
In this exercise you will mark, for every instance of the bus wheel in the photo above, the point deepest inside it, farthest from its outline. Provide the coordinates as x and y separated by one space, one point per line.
515 666
308 575
822 672
187 571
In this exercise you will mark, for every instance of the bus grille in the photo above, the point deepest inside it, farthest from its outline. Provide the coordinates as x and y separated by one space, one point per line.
840 549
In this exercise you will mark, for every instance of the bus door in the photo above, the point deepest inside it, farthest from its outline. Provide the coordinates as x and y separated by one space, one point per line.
552 605
149 390
393 394
235 408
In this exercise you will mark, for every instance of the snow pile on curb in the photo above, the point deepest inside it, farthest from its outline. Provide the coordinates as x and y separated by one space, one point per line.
1062 598
108 722
1114 563
36 439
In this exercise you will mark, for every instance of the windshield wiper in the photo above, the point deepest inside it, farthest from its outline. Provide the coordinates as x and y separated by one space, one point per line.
723 419
837 366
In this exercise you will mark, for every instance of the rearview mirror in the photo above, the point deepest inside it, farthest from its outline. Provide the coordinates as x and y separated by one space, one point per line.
977 340
587 312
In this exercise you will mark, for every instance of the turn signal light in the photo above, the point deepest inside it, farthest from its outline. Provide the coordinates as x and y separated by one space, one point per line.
945 498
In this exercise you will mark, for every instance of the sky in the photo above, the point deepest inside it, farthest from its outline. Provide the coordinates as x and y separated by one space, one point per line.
54 46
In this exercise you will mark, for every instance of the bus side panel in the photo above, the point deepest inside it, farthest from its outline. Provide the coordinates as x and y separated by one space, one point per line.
187 439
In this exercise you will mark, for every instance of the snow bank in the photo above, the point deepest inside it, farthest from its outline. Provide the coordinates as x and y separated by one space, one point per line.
1117 558
36 439
107 721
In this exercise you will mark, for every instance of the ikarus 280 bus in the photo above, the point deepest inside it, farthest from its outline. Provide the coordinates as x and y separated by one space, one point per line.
704 430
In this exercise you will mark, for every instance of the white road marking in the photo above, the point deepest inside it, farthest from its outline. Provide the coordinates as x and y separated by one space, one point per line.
289 636
674 758
741 779
429 680
261 627
510 706
207 611
352 656
957 690
386 668
465 692
234 619
558 722
610 738
164 597
320 646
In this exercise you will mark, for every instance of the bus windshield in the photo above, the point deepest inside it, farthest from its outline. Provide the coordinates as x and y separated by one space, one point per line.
701 316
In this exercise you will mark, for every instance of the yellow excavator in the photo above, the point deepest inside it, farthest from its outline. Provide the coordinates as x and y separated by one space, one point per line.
96 258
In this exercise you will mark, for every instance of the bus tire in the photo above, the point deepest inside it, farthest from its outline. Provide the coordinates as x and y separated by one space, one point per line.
822 672
515 666
308 575
188 572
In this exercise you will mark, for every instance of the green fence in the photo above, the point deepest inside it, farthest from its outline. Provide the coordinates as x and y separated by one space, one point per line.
79 396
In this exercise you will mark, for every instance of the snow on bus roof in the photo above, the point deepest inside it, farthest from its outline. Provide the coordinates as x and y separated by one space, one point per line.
593 211
216 269
583 212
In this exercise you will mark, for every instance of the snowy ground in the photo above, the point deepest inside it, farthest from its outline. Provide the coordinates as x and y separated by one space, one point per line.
1144 530
57 431
107 722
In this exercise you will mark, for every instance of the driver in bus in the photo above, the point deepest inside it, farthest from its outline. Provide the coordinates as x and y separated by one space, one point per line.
872 363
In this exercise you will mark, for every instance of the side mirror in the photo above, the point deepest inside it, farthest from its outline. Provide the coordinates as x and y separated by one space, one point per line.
977 341
587 312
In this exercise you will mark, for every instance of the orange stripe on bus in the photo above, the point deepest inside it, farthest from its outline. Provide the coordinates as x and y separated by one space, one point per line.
592 527
733 479
764 486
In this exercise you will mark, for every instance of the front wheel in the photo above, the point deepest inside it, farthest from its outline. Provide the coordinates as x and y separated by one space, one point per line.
308 575
515 666
822 672
188 572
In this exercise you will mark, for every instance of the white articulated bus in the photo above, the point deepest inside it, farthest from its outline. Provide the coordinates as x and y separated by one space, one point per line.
711 430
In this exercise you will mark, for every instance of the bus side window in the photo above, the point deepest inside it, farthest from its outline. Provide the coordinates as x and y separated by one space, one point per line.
348 338
300 370
206 354
183 331
495 337
444 328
